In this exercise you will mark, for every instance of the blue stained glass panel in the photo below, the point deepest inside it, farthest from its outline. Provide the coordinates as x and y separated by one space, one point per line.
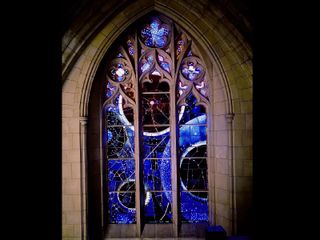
193 163
120 173
157 207
121 207
155 146
193 173
155 175
193 208
194 182
118 115
120 142
188 139
165 66
118 139
192 112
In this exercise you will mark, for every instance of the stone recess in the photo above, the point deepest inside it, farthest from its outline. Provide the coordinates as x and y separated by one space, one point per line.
84 45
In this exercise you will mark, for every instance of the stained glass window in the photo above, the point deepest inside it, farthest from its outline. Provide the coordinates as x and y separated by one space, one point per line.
119 144
193 162
155 72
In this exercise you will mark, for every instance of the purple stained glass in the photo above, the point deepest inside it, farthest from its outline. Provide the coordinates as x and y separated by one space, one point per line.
202 88
130 47
180 47
110 90
190 71
155 34
119 55
163 64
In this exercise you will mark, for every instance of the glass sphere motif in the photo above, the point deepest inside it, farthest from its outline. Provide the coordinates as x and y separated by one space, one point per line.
118 72
191 71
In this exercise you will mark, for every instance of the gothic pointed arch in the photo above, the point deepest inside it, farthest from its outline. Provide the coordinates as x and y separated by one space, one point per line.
115 76
154 119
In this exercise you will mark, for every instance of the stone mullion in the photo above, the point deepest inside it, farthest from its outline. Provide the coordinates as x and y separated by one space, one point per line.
137 151
174 147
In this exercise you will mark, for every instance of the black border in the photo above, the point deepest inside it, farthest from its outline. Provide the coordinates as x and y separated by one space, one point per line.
31 110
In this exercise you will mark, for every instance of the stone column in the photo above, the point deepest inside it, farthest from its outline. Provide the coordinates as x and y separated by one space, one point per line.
229 118
83 176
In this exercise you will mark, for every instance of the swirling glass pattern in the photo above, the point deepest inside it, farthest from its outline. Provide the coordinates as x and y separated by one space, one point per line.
119 143
150 60
193 163
157 157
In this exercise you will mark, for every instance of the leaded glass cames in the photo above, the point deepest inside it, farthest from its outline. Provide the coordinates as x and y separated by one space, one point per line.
155 58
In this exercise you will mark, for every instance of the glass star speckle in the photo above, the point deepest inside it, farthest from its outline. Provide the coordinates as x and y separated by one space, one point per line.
193 163
155 34
153 56
118 139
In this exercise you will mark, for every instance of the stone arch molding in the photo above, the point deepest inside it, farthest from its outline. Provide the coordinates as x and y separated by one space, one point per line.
82 73
87 54
99 46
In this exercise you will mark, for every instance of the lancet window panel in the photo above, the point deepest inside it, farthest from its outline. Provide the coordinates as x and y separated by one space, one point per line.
155 115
